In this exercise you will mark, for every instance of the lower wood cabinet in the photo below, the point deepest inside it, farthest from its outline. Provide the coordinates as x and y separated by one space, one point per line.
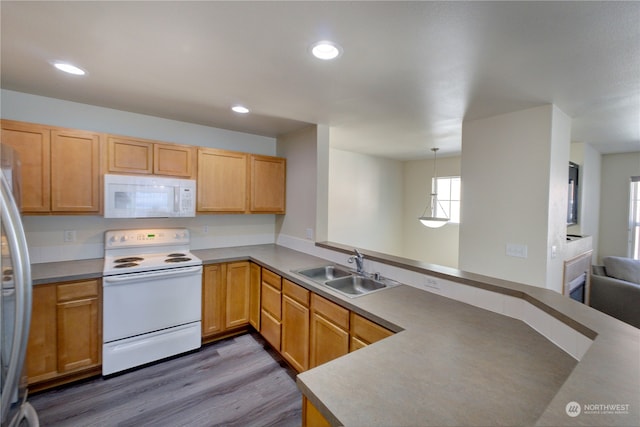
311 417
66 330
225 298
329 331
254 295
294 345
237 294
79 326
365 332
271 307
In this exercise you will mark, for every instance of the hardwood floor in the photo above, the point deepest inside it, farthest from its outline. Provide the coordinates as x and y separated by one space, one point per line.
234 382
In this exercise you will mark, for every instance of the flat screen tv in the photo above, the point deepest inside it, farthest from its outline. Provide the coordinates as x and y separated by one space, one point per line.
574 184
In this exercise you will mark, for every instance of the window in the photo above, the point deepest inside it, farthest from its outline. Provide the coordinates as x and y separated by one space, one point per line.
449 197
634 218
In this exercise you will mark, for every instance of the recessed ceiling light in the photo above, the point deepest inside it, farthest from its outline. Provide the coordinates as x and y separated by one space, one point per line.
69 68
240 109
326 50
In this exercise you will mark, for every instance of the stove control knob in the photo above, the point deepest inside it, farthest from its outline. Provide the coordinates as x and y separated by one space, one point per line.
113 239
124 238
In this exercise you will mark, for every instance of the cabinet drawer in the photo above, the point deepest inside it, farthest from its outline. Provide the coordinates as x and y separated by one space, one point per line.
272 278
332 311
271 300
73 291
296 292
366 330
270 329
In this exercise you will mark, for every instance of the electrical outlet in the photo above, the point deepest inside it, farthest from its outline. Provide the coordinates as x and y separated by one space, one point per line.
205 228
69 235
309 233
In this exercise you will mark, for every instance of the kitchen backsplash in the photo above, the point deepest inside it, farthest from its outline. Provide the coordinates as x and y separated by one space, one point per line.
46 234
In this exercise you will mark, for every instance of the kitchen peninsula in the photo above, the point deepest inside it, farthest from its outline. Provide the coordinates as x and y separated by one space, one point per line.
447 354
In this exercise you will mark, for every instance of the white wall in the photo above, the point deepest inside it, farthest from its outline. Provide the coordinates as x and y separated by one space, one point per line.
432 245
590 161
45 233
365 204
510 165
558 199
300 150
614 208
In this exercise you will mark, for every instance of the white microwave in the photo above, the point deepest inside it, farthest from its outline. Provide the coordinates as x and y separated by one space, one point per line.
129 196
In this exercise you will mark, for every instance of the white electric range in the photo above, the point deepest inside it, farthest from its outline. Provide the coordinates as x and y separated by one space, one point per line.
151 297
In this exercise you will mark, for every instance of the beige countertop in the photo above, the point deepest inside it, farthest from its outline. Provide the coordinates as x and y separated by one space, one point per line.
452 363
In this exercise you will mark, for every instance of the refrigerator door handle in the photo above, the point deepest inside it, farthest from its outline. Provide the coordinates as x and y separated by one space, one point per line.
10 217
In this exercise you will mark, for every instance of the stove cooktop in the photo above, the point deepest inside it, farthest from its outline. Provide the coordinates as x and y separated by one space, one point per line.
119 264
130 251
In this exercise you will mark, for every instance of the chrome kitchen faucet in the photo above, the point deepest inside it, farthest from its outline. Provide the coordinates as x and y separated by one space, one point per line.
359 260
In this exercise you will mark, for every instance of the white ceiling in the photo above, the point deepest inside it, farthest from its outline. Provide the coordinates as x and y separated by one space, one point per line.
411 72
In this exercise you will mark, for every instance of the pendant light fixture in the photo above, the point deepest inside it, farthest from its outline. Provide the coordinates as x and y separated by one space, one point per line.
432 220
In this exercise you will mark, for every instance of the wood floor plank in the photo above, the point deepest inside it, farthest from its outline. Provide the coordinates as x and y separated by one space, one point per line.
235 382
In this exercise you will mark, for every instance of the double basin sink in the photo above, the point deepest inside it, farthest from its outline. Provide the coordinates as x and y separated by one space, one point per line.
344 281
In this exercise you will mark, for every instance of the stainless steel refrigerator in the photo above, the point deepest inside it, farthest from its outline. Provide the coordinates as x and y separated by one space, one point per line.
15 299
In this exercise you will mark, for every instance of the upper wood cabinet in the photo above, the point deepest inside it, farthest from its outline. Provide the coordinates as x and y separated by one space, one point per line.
268 184
61 168
222 181
32 143
75 171
138 156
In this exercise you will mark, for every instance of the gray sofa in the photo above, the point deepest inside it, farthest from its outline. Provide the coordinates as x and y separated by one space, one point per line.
615 289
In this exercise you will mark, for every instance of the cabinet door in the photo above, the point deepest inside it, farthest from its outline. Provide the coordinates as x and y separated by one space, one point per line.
32 143
311 417
268 182
328 341
75 171
254 297
270 329
271 307
78 321
130 155
173 160
237 309
212 300
222 181
365 332
295 333
77 335
42 351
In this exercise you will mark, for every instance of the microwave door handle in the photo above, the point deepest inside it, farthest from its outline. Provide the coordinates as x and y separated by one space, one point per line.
176 199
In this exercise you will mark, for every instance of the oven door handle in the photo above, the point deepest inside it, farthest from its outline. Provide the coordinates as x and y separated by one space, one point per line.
139 277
